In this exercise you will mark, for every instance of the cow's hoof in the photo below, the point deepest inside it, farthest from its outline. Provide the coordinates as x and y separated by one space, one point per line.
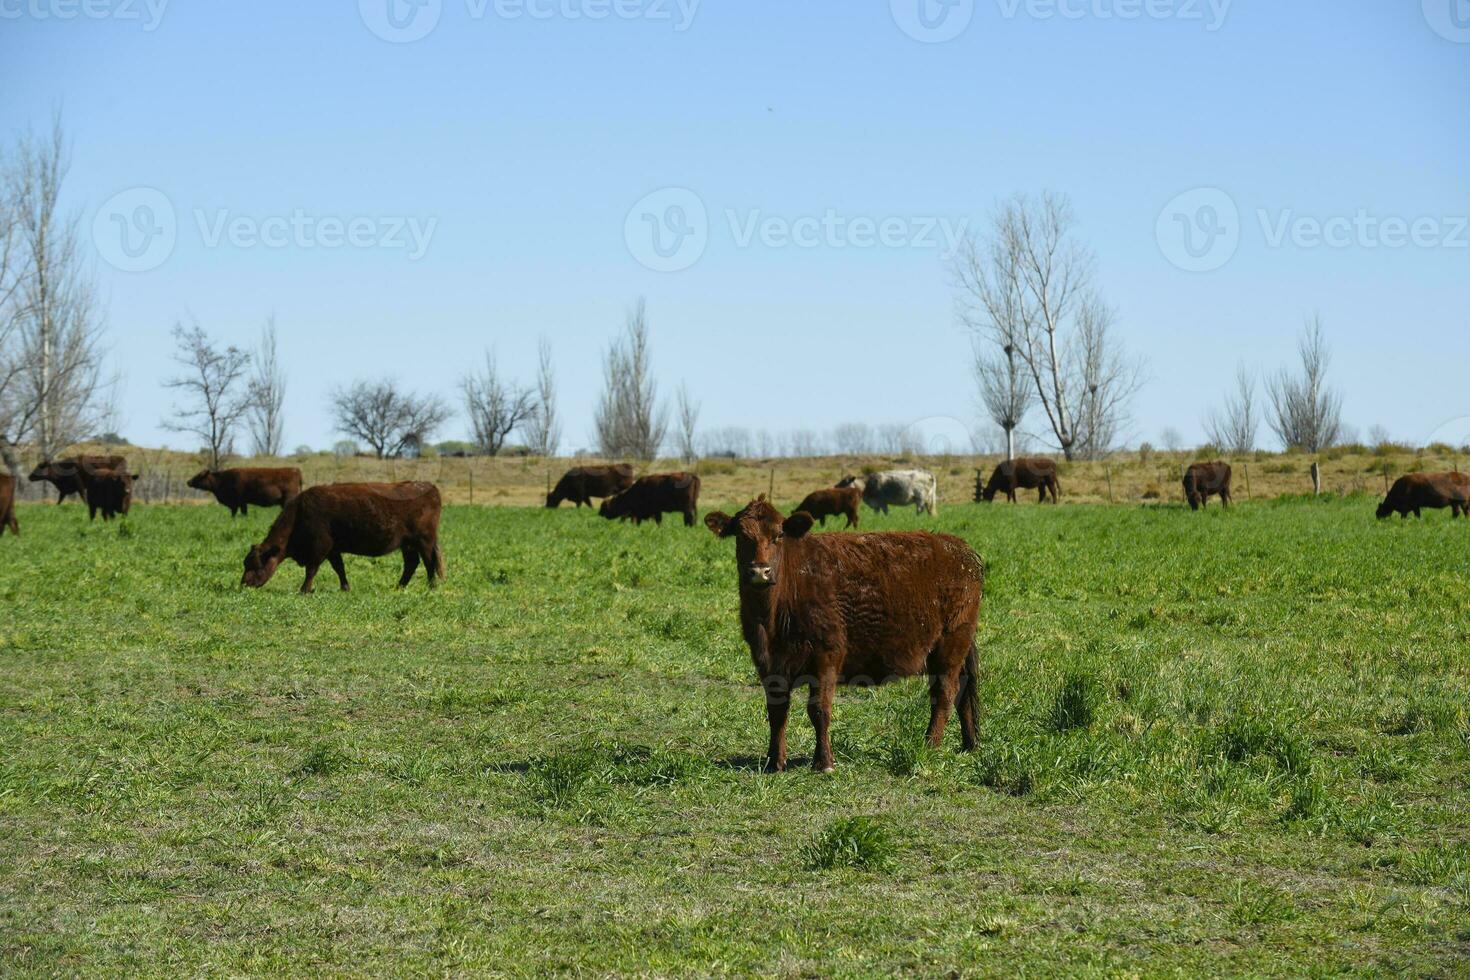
826 770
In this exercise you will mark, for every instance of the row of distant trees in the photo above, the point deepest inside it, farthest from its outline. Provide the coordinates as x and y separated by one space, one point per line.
1044 338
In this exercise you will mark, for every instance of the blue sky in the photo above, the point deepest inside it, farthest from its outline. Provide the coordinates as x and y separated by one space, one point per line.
517 136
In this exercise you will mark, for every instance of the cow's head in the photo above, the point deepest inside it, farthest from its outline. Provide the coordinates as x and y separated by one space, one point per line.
1384 510
613 507
760 534
553 500
988 494
852 481
261 564
203 480
48 471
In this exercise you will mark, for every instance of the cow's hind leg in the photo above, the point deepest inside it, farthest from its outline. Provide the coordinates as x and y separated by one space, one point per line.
819 710
308 586
341 569
952 669
411 566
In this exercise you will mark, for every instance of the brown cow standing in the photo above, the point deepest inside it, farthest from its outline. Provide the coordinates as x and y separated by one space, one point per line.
581 484
1034 473
836 502
1205 480
829 609
654 496
7 506
240 489
108 491
373 519
64 473
1416 491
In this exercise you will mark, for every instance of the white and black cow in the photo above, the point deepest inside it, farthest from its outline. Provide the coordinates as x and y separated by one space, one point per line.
898 488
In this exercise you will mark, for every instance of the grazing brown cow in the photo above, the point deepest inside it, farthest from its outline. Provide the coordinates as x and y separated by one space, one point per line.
1034 473
63 473
651 497
1205 480
836 502
108 491
1416 491
581 484
829 609
242 488
373 519
7 506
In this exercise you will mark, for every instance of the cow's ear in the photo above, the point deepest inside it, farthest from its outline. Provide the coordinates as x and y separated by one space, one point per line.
718 522
797 525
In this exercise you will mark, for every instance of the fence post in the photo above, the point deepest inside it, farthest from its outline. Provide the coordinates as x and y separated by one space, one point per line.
1247 468
1109 471
470 462
1316 478
771 495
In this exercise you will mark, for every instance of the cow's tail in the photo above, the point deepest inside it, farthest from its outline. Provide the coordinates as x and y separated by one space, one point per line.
438 557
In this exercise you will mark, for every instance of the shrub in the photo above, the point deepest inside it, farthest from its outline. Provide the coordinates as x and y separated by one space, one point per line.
854 842
1146 452
1074 704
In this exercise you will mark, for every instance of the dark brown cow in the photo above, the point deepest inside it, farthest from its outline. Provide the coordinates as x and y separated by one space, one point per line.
651 497
243 488
7 506
836 502
1417 491
63 473
581 484
108 491
373 519
829 609
1034 473
1205 480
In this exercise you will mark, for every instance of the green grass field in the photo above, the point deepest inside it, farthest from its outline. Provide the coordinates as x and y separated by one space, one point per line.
1221 743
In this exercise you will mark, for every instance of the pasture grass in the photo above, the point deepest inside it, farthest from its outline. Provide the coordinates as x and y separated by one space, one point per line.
1211 743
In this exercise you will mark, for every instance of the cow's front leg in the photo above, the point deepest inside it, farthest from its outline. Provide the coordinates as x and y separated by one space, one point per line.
310 583
819 710
778 707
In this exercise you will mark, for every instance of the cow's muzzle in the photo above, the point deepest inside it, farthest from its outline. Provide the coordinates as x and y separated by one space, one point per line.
761 575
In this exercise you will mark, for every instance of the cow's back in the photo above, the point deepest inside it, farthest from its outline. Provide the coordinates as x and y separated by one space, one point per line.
889 595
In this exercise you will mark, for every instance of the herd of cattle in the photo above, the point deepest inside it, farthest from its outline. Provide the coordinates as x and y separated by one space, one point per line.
816 611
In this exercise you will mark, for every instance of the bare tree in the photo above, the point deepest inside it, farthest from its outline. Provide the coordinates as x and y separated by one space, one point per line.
213 385
1005 392
52 389
805 443
496 408
1234 425
853 439
543 428
1305 412
1030 288
267 397
688 419
730 441
389 421
629 421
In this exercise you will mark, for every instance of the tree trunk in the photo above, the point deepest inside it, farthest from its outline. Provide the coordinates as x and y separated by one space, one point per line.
1010 445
